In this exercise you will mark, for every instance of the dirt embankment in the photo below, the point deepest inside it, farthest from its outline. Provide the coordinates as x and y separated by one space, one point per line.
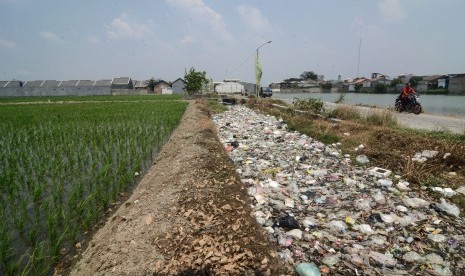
189 215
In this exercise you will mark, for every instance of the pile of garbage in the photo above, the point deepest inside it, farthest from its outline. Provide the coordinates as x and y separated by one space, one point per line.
328 214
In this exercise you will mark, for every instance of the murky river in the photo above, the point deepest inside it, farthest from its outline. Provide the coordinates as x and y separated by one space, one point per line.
451 105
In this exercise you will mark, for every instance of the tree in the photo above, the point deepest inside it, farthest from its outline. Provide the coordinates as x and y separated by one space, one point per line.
309 76
380 87
195 81
151 84
414 80
395 81
326 85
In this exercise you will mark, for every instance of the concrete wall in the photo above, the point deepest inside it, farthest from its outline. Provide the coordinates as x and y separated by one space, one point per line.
59 91
122 92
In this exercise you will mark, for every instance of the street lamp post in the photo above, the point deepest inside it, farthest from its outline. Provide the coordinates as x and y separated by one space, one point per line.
257 68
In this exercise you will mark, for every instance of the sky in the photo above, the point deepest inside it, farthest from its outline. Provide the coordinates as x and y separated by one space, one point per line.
141 39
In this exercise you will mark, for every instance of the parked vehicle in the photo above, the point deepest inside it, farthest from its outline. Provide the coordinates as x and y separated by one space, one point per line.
266 92
413 104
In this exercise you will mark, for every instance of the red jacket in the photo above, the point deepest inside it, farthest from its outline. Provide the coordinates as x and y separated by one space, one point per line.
407 91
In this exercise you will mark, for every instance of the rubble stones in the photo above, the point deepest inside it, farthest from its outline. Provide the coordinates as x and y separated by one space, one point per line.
316 204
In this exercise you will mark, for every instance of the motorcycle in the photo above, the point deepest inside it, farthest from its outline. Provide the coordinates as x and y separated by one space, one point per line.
413 104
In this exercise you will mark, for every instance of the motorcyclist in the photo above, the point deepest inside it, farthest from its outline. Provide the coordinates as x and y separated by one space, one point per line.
407 90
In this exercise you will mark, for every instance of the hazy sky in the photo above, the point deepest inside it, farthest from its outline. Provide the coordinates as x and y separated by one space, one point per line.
101 39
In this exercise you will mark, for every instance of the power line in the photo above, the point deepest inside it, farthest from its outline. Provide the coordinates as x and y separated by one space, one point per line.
251 55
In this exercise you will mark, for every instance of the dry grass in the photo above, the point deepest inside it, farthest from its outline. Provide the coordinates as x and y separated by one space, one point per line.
345 112
382 118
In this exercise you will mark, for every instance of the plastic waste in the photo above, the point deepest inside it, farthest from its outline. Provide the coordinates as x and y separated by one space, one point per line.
383 259
385 182
401 208
437 237
380 172
362 159
330 260
448 208
307 269
415 202
295 233
337 226
412 257
288 222
365 229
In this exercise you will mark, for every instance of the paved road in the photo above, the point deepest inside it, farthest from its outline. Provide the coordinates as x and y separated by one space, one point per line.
421 121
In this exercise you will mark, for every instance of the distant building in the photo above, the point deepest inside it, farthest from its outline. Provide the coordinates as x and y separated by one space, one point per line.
122 83
36 83
178 86
140 85
161 85
432 82
51 83
85 83
377 78
69 83
103 83
457 84
12 83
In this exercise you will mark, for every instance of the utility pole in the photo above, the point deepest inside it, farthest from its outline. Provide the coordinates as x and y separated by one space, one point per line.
258 69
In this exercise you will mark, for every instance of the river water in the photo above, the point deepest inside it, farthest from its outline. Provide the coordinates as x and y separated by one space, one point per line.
450 105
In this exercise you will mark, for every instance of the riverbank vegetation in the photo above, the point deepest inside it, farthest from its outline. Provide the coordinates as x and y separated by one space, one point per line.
385 143
64 163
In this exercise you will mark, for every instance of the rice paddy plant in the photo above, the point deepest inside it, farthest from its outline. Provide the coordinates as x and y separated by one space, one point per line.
61 166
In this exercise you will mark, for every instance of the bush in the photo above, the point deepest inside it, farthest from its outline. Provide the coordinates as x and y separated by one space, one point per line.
326 85
314 105
380 87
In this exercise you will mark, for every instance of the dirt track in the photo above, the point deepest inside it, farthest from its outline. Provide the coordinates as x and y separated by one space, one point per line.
422 121
190 214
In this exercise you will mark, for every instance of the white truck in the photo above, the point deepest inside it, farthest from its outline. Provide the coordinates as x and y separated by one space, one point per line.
229 86
229 90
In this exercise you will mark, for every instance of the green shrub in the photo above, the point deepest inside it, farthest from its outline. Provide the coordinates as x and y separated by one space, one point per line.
313 105
380 87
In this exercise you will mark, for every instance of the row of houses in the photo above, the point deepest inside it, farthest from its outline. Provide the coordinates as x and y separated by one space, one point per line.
116 86
453 83
119 83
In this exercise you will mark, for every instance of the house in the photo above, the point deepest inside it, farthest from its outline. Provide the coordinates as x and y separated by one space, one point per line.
457 84
377 78
161 85
178 86
140 85
122 83
432 82
355 84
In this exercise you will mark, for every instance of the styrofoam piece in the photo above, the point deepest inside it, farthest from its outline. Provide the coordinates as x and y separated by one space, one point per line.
380 172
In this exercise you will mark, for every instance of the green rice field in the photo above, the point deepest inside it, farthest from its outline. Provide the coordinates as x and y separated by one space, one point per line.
64 161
